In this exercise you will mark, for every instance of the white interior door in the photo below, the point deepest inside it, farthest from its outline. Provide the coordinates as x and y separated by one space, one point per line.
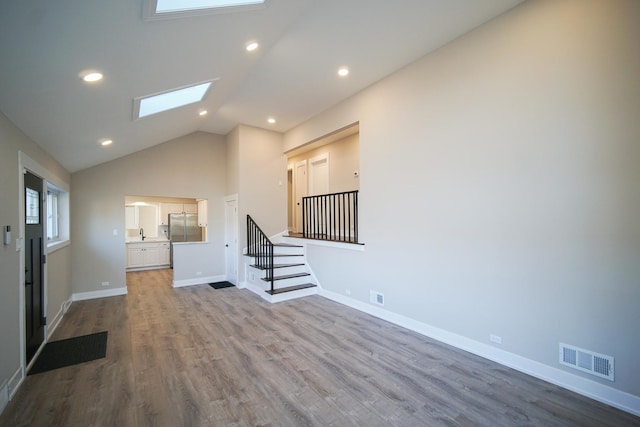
231 239
300 177
319 176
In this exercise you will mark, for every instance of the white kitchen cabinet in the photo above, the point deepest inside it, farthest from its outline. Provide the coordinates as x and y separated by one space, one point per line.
135 257
202 213
170 208
151 254
131 217
165 253
190 208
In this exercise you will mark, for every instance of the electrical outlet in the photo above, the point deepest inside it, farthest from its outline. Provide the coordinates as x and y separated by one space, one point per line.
105 283
198 273
496 339
347 291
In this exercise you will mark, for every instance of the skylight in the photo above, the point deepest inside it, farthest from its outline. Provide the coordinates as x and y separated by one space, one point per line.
152 104
164 6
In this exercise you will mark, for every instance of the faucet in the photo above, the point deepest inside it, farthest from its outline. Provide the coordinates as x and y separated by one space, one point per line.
142 233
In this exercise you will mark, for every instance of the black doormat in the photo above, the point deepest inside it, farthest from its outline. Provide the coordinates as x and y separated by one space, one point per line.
220 285
59 354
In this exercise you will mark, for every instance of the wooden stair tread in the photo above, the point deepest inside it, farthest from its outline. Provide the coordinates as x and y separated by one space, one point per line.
290 288
277 266
287 276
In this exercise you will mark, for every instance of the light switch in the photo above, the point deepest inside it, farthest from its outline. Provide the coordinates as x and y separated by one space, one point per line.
115 231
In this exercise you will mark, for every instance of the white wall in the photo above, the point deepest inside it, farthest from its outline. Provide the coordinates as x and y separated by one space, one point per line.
261 167
344 159
12 140
499 185
192 166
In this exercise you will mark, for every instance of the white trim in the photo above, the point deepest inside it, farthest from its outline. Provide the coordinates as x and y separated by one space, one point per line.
602 393
310 173
81 296
235 234
57 318
14 382
4 396
327 243
298 221
198 281
286 296
52 247
32 165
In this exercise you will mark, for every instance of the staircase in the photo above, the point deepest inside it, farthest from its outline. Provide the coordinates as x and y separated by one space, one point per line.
276 271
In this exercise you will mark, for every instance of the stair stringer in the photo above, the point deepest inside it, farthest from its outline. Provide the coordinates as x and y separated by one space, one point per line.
282 238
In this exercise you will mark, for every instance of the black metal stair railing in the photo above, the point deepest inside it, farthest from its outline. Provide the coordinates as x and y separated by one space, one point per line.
260 248
331 217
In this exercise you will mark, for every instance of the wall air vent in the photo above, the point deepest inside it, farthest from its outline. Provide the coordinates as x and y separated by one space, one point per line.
587 361
376 297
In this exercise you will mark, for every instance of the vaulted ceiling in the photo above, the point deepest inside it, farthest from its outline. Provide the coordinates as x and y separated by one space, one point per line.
292 76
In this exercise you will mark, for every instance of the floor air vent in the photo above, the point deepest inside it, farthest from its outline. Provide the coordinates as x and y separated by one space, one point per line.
587 361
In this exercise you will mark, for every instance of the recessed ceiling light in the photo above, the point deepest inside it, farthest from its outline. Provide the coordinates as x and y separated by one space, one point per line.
105 142
343 71
152 104
91 76
203 112
251 46
271 120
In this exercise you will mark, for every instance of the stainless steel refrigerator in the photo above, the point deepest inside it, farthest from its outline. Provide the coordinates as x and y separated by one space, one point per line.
183 227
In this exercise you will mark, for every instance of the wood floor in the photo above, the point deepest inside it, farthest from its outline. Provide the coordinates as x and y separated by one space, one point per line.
197 356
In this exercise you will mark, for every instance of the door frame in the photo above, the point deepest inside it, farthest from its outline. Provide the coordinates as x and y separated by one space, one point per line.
320 158
234 234
25 163
297 223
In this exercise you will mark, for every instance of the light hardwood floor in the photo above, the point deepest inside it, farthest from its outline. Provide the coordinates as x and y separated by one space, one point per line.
202 357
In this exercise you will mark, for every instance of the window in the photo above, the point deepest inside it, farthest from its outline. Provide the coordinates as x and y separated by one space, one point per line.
33 206
57 215
51 211
168 9
158 103
53 217
163 6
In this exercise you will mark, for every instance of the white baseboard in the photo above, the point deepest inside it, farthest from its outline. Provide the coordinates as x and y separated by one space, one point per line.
198 281
14 382
9 388
602 393
4 396
256 289
81 296
57 318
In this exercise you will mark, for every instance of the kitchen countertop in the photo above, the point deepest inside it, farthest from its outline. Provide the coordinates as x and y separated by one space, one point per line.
147 240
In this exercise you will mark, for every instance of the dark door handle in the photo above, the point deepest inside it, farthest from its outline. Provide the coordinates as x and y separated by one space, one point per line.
226 246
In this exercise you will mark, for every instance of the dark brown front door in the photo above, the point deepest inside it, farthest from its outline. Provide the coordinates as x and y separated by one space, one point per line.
33 262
